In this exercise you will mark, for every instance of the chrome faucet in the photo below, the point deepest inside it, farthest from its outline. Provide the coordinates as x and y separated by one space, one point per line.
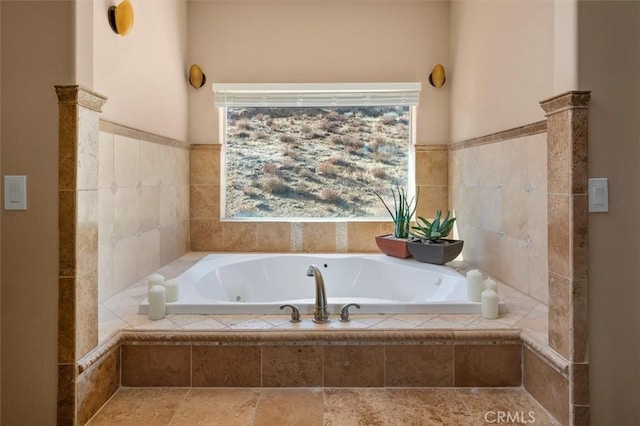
320 313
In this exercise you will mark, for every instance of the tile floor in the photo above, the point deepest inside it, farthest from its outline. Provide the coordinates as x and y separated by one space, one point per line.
321 406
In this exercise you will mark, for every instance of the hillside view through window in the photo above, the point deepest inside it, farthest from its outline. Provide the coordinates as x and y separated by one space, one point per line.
291 162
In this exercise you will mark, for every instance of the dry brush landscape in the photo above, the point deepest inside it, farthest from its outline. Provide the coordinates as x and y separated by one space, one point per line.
314 162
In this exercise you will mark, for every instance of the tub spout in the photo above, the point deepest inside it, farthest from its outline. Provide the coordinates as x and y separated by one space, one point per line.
320 313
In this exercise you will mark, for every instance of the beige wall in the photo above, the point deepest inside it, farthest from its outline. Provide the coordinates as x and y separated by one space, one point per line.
144 73
609 65
501 64
37 52
143 200
319 41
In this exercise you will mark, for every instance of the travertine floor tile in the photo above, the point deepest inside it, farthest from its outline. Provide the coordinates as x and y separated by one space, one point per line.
289 407
217 406
140 406
318 406
346 407
486 404
426 407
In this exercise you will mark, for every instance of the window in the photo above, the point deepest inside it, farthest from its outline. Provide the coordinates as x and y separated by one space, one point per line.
314 154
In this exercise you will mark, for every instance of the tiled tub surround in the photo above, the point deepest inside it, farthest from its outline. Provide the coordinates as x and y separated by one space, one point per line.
209 233
78 236
498 192
256 339
143 199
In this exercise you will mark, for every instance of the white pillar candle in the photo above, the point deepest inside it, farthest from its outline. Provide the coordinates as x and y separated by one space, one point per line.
489 304
490 284
155 279
157 302
172 290
474 285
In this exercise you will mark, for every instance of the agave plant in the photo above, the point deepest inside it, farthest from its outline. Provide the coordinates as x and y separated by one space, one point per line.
433 231
402 212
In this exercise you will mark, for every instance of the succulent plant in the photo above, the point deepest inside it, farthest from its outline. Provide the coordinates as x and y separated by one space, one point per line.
435 230
402 212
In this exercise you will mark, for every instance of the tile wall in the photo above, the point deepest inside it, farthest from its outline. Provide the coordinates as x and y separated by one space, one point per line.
209 233
498 192
143 199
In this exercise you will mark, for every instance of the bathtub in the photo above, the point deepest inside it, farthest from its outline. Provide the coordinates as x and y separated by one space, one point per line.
261 283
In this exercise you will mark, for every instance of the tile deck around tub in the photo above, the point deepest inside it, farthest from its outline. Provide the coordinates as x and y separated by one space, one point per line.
120 312
321 406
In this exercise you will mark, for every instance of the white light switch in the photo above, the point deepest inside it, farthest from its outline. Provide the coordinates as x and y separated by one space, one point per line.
598 195
15 192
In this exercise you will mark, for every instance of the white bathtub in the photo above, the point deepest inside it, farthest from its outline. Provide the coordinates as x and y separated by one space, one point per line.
261 283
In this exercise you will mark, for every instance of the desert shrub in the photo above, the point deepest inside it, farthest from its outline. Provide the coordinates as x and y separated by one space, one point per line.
287 139
327 168
259 116
331 196
269 121
389 118
270 168
276 186
378 142
288 164
261 135
379 172
306 129
337 140
338 161
243 134
244 125
305 173
332 116
250 191
382 157
354 146
291 153
330 126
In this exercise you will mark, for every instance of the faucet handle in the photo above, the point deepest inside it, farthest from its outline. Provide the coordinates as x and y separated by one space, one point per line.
295 312
344 312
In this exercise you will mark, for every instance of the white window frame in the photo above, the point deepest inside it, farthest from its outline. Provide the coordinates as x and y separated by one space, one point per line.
313 95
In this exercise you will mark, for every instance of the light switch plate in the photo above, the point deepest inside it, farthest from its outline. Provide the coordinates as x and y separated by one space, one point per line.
15 192
598 195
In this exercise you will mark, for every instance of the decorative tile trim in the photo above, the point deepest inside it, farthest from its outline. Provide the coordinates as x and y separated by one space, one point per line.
516 132
548 355
572 99
78 95
322 337
119 129
206 147
426 148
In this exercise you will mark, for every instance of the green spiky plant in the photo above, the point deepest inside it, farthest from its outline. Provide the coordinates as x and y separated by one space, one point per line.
433 232
403 210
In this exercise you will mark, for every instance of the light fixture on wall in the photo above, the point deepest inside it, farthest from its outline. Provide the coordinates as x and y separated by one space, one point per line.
437 77
197 78
121 18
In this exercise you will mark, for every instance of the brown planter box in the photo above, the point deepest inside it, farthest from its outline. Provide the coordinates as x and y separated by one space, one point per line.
391 246
438 254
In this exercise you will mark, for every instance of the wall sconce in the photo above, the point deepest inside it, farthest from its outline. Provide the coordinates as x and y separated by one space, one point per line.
437 77
121 18
197 79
